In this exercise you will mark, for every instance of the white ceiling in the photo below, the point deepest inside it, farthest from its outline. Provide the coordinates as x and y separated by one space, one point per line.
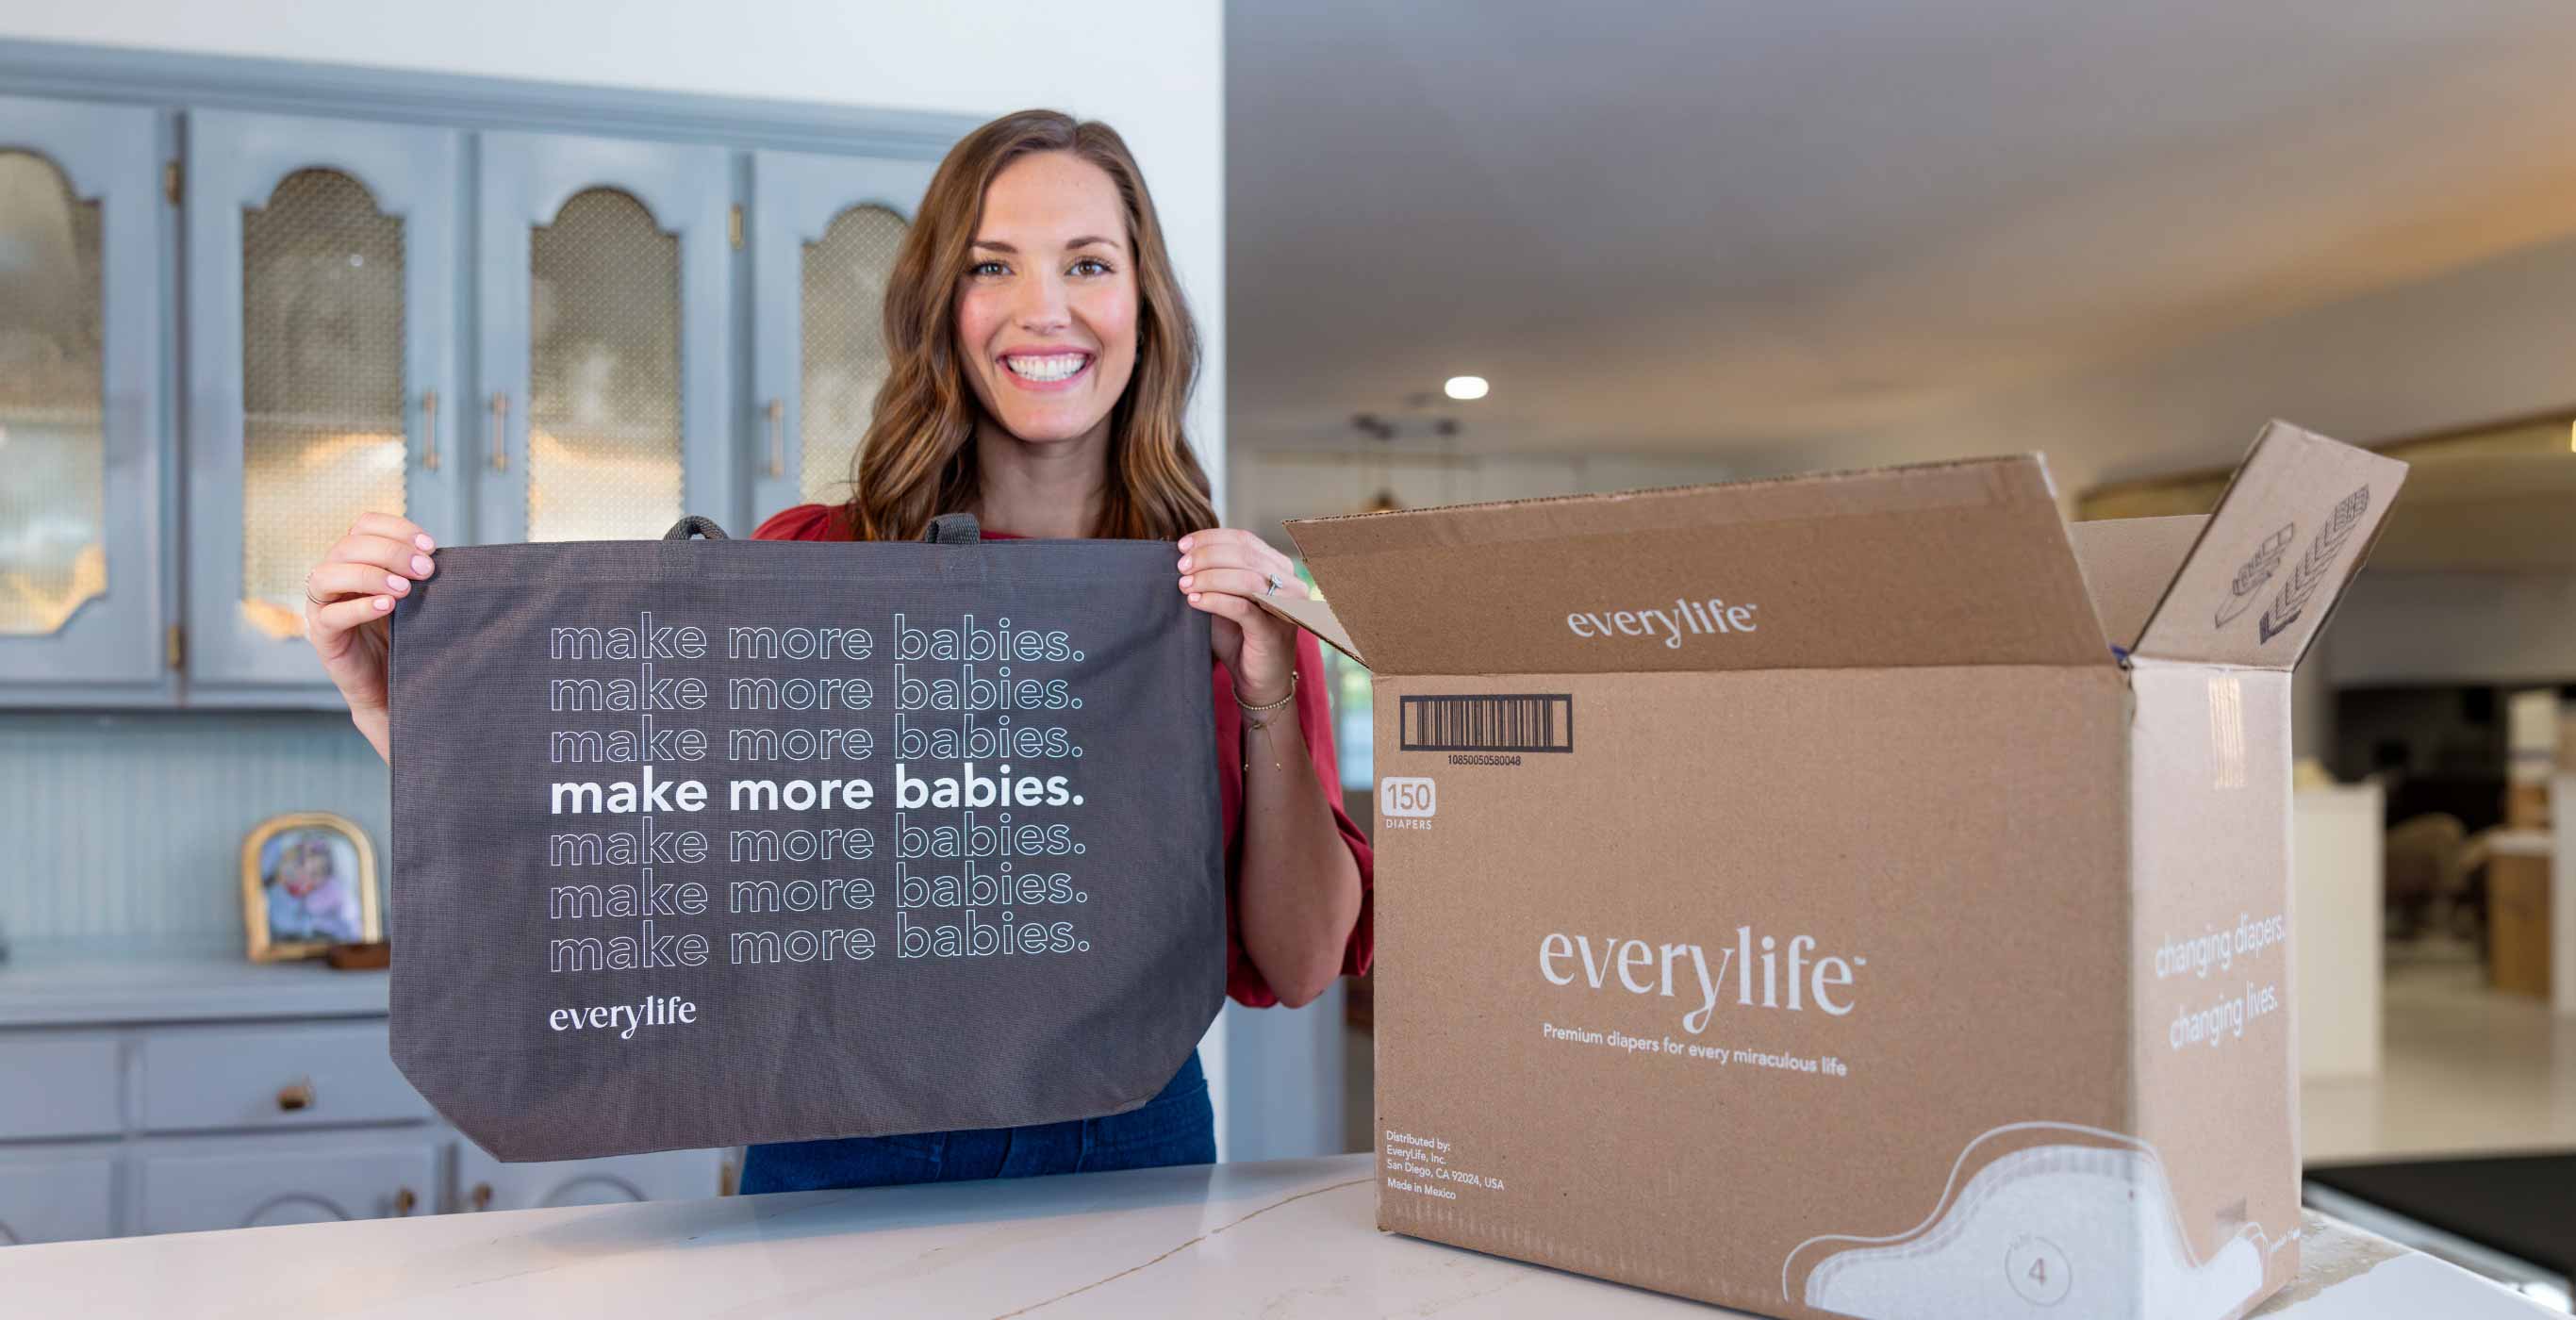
1711 226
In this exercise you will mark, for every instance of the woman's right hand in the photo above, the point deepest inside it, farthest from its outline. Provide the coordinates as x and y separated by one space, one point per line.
347 598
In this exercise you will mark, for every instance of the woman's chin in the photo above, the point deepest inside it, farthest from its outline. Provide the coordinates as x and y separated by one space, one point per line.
1049 428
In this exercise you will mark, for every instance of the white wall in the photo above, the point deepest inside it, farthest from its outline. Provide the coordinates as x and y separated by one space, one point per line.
1154 69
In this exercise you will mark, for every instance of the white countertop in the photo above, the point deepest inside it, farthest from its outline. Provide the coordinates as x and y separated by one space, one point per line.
1281 1240
37 992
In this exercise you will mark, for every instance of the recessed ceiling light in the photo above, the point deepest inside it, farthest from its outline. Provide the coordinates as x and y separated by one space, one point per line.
1466 387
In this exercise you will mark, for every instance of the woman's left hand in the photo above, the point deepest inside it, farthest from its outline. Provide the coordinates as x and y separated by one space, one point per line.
1223 570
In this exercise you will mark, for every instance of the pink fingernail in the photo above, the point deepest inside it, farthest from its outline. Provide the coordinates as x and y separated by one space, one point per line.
1185 584
384 603
420 564
396 583
424 542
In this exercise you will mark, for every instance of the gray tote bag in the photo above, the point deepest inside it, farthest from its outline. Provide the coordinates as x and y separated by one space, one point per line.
709 842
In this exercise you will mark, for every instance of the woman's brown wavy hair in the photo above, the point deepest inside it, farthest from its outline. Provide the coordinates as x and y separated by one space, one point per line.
917 460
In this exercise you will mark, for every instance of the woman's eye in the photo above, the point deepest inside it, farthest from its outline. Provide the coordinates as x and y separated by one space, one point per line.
988 269
1091 266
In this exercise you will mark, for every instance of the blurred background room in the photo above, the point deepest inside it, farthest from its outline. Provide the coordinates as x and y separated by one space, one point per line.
570 270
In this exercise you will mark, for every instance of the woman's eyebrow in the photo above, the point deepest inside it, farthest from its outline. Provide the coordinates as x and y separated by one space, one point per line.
1087 240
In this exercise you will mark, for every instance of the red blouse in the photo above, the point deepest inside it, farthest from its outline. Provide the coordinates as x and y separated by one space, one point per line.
1243 981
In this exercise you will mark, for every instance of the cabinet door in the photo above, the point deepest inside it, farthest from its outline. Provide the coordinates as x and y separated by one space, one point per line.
321 370
57 1198
824 233
264 1181
84 444
605 334
484 1183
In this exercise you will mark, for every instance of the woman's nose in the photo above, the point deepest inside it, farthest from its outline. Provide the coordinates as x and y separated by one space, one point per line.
1042 308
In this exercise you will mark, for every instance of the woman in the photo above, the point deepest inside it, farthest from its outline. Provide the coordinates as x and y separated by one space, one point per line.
1041 357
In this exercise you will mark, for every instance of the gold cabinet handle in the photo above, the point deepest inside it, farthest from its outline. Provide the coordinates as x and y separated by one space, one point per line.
501 432
777 438
295 1096
429 429
481 1196
404 1201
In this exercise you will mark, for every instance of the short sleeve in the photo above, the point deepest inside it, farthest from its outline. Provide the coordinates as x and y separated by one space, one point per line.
805 522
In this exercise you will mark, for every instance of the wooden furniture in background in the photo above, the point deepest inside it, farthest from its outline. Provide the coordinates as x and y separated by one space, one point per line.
2518 912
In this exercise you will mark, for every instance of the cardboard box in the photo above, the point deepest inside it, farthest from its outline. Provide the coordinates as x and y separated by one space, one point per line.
1847 895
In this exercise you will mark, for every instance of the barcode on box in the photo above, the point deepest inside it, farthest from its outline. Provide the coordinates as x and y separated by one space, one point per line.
1508 722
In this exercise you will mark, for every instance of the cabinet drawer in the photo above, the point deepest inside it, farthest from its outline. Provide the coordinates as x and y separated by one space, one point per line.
270 1077
61 1199
261 1184
58 1085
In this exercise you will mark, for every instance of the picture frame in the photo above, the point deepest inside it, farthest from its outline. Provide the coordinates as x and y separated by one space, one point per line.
308 882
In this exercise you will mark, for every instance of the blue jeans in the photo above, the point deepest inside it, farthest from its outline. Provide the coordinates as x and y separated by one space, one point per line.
1175 1127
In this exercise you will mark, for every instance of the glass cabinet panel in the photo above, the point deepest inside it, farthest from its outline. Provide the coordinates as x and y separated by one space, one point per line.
320 275
604 407
53 448
322 382
824 233
843 284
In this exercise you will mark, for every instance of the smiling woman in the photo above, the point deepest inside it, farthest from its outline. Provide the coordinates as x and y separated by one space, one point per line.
1037 275
1040 358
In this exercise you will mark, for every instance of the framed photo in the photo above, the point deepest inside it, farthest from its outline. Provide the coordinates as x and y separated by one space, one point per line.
308 882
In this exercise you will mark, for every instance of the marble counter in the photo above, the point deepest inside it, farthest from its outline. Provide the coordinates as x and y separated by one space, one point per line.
1283 1240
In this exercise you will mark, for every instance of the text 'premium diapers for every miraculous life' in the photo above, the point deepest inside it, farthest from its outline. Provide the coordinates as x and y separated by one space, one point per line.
709 842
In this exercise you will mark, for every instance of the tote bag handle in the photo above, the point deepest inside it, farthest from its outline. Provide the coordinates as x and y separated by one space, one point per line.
946 529
953 529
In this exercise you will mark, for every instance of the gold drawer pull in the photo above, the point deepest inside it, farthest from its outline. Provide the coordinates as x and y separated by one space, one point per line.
500 432
294 1096
429 429
404 1201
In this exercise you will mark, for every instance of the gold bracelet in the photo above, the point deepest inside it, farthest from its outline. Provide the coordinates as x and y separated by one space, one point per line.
1249 711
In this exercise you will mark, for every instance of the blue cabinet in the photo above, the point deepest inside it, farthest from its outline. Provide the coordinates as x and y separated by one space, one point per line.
85 436
321 259
605 337
824 234
249 320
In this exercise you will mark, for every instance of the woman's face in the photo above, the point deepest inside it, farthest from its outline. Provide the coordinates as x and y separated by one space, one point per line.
1046 315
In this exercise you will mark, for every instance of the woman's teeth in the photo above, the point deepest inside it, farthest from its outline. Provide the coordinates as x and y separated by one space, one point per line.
1060 366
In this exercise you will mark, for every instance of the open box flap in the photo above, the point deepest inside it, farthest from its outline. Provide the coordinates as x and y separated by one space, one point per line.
1935 564
2292 530
2128 563
1315 616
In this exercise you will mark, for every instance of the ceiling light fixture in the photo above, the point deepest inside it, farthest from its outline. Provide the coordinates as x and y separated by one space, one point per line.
1466 387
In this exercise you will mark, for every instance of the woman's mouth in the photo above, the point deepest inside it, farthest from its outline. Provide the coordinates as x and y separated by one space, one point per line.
1043 370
